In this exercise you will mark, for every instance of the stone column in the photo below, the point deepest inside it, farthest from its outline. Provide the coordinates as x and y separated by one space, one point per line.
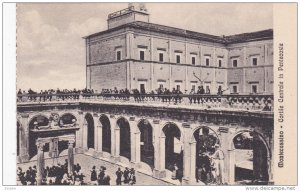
231 166
158 171
85 136
99 135
193 162
70 156
79 132
40 162
186 154
115 139
96 123
24 138
133 145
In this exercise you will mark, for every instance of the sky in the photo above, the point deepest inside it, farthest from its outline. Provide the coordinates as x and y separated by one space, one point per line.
51 50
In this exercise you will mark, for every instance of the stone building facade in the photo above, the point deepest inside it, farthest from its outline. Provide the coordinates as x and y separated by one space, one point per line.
135 53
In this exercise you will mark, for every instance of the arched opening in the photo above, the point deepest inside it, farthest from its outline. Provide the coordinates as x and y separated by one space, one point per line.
206 140
106 134
125 149
67 119
173 147
147 148
251 161
90 131
62 148
18 138
36 121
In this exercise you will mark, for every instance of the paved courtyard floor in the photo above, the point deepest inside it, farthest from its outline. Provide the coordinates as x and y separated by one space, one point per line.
87 162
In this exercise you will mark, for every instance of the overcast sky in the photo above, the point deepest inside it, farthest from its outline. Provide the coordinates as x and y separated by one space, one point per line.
50 48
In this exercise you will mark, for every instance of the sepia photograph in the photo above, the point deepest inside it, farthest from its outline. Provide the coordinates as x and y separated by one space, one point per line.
145 94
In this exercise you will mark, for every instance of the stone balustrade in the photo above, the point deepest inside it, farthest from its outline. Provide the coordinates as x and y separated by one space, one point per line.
244 102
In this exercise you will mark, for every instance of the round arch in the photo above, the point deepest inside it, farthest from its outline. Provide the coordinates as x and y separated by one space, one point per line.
106 133
203 140
250 131
192 138
146 131
253 163
89 120
67 118
125 137
173 145
35 117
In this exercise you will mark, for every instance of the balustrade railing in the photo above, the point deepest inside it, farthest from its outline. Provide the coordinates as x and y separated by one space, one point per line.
246 102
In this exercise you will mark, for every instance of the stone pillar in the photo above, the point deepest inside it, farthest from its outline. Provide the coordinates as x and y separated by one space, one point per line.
70 156
24 138
186 154
159 170
193 162
79 132
115 139
96 123
99 135
40 162
162 152
133 143
85 136
231 166
137 147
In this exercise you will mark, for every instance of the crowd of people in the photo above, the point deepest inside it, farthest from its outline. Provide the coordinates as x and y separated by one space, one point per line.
54 175
126 177
162 94
58 175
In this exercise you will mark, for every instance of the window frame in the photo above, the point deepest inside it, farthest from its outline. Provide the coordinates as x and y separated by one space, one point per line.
205 60
254 85
252 59
159 54
142 50
237 63
119 50
220 64
193 58
176 61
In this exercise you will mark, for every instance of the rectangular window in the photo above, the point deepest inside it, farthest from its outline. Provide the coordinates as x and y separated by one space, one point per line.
177 87
254 61
193 60
161 57
207 61
234 89
234 63
161 86
220 63
254 89
194 87
142 54
118 54
178 59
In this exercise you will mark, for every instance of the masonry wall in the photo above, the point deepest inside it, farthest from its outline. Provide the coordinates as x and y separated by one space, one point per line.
108 76
152 72
246 75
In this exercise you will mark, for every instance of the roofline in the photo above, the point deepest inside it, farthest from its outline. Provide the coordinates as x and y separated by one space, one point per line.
218 39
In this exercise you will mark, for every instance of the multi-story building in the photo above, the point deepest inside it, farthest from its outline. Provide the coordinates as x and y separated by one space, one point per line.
134 53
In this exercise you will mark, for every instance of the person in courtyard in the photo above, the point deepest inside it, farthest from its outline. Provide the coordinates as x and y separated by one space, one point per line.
132 178
126 175
119 174
101 175
174 172
94 176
